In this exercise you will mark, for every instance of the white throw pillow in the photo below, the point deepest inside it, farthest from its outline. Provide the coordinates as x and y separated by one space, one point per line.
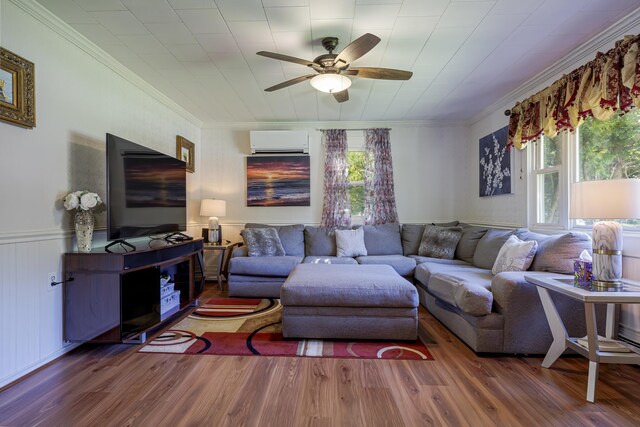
350 243
515 255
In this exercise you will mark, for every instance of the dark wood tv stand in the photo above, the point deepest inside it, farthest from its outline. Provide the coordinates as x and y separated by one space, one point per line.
115 297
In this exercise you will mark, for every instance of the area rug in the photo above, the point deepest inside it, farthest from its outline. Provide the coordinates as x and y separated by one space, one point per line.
252 327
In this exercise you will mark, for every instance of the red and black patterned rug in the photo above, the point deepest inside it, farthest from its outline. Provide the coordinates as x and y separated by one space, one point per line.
243 326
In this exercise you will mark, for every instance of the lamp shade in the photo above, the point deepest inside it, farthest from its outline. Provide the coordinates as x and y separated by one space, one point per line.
213 207
607 199
330 83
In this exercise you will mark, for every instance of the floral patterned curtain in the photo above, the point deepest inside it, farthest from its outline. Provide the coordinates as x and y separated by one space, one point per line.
609 83
379 194
336 210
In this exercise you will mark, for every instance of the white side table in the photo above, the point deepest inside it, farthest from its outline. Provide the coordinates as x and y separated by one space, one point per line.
562 341
216 260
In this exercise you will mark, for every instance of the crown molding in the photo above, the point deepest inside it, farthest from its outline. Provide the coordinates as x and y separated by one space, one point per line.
581 55
46 17
332 124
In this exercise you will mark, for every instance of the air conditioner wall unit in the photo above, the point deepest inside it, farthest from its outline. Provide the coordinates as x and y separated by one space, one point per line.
279 142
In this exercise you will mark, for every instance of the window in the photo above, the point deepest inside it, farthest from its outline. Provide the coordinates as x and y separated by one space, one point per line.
598 150
355 161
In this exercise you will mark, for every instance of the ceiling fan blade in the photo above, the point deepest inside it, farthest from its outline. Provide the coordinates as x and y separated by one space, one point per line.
287 58
379 73
356 49
341 96
290 82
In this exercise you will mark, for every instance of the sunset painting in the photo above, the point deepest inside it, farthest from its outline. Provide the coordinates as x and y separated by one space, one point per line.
278 181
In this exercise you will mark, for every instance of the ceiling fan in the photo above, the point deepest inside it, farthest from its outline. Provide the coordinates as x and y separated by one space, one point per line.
332 68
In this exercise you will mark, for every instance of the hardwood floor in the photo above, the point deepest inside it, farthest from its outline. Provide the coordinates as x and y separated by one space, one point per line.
115 385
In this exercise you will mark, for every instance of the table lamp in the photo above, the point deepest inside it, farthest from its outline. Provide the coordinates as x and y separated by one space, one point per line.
607 199
213 208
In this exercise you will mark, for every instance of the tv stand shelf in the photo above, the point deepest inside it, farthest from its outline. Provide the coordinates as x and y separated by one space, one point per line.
115 297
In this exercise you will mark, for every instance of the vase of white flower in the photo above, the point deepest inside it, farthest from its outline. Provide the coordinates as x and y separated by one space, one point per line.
85 203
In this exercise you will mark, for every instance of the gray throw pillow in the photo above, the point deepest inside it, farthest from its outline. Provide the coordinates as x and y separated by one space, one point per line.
291 237
350 243
439 242
262 242
383 239
489 246
411 237
319 241
557 253
468 243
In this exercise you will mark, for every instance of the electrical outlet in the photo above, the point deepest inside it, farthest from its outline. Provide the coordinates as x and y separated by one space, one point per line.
51 278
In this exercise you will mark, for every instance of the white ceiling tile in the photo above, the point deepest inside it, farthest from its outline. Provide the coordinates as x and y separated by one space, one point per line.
284 3
332 9
464 14
228 59
120 22
188 52
288 19
149 11
172 33
409 36
143 44
193 4
374 17
378 1
68 11
161 61
100 5
510 7
294 44
246 10
212 43
423 7
97 34
440 48
250 32
203 21
122 53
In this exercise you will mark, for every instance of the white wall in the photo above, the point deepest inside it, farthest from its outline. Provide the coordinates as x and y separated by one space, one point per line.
425 180
78 100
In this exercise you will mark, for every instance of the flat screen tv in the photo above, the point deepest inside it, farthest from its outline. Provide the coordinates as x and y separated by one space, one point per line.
146 191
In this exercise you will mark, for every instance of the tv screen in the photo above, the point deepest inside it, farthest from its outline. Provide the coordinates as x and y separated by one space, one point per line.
146 191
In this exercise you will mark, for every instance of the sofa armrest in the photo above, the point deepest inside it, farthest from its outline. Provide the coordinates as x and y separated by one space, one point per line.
525 324
239 252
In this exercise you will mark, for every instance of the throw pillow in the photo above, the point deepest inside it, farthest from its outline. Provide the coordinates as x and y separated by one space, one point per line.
262 242
515 255
557 253
350 243
489 246
439 242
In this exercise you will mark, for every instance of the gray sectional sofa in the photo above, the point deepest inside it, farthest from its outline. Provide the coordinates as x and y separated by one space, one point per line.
498 313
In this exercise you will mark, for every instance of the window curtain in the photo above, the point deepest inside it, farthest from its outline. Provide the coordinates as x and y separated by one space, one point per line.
600 88
379 194
336 210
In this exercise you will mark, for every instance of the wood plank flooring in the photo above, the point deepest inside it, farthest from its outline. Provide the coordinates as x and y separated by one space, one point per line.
114 385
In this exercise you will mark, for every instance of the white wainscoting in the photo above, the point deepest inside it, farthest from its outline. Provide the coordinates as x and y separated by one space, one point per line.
630 313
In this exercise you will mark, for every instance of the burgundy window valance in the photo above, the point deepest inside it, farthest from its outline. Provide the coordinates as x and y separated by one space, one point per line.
609 83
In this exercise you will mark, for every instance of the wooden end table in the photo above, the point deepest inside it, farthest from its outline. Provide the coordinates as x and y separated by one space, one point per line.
561 340
221 253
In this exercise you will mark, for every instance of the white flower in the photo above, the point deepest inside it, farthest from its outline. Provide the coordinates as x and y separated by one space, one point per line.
71 201
88 201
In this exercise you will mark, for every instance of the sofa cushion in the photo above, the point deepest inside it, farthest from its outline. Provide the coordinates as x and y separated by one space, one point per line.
468 243
350 243
439 242
383 239
489 246
557 253
312 259
262 242
515 255
274 266
319 241
420 259
291 237
411 236
470 292
424 271
403 265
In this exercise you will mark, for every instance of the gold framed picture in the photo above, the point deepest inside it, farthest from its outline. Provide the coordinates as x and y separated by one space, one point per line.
185 151
17 90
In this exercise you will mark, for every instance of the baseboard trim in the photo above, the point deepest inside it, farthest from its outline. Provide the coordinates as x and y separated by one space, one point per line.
34 368
630 334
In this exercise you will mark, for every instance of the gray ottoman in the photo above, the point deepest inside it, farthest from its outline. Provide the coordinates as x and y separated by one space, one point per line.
348 302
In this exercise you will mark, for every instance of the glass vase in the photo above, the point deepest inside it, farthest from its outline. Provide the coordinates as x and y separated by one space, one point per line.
84 223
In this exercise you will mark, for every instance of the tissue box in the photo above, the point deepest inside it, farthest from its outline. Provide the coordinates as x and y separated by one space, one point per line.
582 274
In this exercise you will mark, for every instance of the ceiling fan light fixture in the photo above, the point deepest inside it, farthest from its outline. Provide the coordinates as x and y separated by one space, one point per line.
330 83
